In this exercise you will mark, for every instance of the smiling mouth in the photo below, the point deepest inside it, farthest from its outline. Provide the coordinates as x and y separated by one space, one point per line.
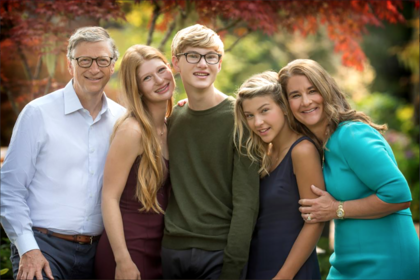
201 74
93 79
261 131
310 111
159 90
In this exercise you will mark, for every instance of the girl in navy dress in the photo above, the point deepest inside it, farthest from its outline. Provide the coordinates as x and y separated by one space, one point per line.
283 245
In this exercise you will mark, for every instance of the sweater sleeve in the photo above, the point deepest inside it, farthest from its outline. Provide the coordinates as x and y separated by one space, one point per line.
245 196
371 159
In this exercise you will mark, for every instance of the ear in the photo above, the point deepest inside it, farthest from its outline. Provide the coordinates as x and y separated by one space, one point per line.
219 67
112 67
175 62
70 67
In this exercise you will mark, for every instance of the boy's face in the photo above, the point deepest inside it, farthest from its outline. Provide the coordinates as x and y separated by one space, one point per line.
199 75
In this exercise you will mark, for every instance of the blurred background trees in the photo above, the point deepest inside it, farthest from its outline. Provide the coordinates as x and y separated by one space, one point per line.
370 47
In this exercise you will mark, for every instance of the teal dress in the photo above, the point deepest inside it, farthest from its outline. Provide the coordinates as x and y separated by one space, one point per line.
359 162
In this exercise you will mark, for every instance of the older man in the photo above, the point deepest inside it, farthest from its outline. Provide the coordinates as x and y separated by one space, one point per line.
52 173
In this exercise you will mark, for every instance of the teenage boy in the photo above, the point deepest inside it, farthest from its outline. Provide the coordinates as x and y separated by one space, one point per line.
214 202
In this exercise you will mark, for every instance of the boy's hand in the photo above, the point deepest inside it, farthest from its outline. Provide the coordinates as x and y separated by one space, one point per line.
182 102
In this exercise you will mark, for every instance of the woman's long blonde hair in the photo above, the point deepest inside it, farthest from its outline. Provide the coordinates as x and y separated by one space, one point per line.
152 170
336 106
258 85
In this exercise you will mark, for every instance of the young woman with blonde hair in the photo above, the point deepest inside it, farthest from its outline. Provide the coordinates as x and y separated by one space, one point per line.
368 195
136 184
282 246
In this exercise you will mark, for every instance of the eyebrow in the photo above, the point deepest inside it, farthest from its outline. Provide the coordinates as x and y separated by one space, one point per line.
149 73
296 91
259 107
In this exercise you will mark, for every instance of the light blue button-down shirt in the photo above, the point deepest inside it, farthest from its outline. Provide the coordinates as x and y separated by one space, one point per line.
52 174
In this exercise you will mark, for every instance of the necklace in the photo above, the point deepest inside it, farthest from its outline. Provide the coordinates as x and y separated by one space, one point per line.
163 131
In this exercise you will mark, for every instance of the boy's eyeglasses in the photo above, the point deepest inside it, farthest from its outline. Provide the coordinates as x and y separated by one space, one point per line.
194 58
86 61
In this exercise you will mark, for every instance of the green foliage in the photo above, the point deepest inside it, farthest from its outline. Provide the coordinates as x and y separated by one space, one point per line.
324 258
6 271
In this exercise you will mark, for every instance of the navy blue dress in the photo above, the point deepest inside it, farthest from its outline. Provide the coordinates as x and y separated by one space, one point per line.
279 224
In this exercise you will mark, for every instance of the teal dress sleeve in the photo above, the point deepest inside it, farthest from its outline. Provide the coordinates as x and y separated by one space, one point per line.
372 160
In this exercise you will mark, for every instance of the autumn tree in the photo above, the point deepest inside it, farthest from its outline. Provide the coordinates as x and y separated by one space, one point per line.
34 33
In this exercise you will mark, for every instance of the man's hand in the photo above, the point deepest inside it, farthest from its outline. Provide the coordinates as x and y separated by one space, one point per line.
31 265
319 209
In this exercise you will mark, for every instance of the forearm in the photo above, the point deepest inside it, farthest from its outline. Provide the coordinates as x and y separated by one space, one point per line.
371 207
301 250
114 228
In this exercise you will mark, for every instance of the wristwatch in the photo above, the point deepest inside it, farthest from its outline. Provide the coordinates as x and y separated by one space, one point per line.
340 210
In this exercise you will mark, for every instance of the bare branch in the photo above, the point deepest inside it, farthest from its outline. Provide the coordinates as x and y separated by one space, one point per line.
156 13
167 34
237 41
38 67
25 63
230 25
47 87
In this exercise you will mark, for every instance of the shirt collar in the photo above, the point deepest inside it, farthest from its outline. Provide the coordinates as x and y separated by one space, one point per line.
72 102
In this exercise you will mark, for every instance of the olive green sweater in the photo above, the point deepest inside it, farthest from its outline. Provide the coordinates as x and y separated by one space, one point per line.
215 191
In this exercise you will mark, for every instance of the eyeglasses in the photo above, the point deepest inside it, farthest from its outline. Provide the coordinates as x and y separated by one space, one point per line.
86 61
194 58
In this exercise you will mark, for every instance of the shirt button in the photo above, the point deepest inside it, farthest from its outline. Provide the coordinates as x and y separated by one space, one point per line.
91 172
91 150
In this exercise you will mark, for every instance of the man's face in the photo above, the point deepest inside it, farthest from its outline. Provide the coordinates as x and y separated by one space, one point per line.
196 76
92 80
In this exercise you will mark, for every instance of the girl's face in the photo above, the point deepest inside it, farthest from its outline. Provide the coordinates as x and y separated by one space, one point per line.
156 81
306 103
264 117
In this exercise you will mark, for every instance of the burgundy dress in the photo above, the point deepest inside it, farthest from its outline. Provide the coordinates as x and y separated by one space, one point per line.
143 232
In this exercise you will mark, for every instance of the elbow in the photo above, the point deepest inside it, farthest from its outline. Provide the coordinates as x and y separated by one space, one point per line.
405 205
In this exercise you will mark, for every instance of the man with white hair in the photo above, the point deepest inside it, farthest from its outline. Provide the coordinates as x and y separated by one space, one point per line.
52 173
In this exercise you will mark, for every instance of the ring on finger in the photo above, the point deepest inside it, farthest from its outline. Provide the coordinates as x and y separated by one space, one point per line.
309 217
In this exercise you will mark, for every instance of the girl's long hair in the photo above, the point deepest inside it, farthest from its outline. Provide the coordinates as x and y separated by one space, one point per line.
152 169
336 106
247 141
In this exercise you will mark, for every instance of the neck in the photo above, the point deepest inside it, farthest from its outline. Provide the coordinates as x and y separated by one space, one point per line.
92 103
284 139
321 132
203 99
157 112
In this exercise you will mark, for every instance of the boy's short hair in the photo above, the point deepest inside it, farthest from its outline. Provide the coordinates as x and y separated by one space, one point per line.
197 36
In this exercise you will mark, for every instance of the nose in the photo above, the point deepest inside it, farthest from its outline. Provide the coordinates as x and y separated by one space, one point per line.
258 121
158 79
306 101
94 68
202 62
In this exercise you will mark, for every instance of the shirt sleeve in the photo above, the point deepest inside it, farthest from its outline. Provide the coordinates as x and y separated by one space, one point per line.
16 175
371 159
245 193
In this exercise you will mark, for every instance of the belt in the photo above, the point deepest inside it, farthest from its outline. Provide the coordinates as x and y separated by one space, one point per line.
81 239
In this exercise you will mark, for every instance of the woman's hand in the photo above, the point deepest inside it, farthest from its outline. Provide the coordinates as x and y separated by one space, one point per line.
319 209
127 270
182 102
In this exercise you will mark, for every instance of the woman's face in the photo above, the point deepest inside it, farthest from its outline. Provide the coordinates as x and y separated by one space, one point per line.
264 117
156 81
305 101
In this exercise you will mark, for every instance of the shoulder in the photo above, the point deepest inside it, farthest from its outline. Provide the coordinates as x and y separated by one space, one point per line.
304 149
351 133
129 130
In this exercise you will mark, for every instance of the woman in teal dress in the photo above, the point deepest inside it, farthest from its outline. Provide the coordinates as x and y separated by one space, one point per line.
367 195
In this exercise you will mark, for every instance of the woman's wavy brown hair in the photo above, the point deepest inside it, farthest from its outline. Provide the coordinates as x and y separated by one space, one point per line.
262 84
152 170
336 106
